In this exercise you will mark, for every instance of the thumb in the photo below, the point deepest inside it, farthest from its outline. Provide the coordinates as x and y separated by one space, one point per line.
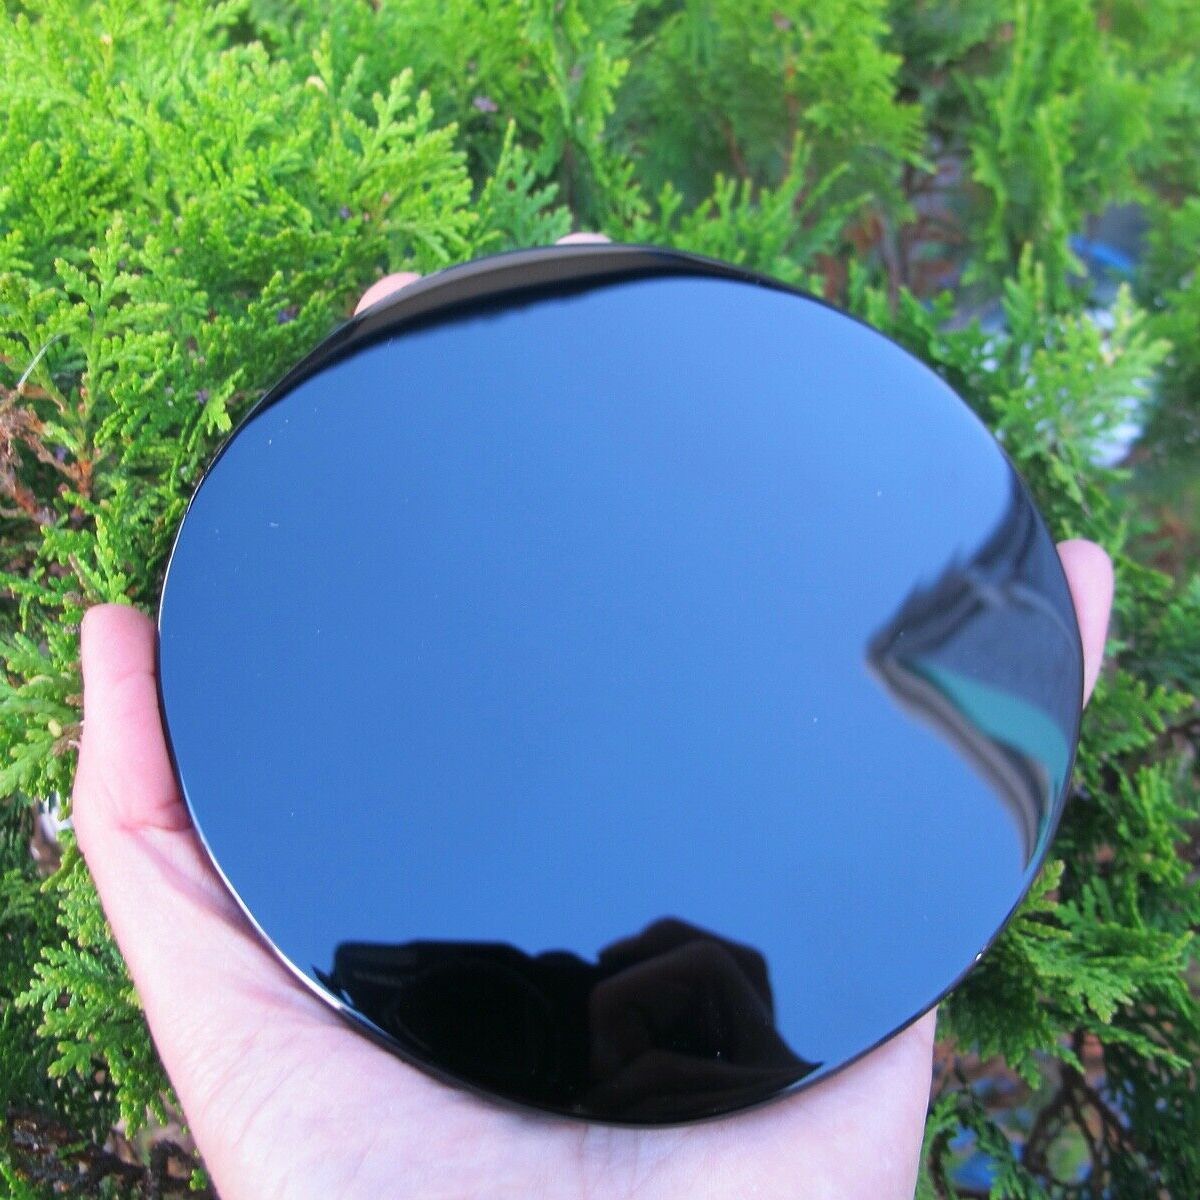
128 815
124 769
210 990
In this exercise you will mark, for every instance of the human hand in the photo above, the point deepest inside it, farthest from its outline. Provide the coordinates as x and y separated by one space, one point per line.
286 1100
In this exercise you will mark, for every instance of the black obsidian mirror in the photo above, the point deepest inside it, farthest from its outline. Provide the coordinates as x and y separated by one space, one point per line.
619 683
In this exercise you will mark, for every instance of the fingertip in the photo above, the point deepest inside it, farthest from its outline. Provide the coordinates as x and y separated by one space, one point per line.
115 638
112 611
924 1029
583 237
382 288
124 779
1090 577
389 285
1087 555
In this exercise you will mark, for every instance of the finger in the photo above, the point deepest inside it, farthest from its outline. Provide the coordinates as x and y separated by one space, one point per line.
1089 573
389 285
130 820
382 288
123 753
126 808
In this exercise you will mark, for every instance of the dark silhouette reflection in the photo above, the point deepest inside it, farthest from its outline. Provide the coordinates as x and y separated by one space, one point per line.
947 656
671 1024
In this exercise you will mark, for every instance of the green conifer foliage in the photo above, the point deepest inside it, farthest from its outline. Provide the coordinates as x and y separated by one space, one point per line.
192 195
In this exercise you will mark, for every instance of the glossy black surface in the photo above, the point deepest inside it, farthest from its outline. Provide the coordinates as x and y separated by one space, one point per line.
625 686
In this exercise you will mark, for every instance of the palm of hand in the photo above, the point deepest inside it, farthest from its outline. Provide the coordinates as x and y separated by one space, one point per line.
286 1100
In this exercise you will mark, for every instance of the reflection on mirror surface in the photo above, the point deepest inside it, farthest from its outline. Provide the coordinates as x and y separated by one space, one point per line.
670 1023
943 658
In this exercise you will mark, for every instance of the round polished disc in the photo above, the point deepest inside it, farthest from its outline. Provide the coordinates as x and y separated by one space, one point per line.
619 683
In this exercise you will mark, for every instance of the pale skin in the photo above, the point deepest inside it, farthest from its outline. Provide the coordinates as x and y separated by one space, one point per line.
285 1100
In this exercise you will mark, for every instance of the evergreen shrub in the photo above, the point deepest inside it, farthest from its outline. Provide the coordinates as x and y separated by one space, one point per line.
194 194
